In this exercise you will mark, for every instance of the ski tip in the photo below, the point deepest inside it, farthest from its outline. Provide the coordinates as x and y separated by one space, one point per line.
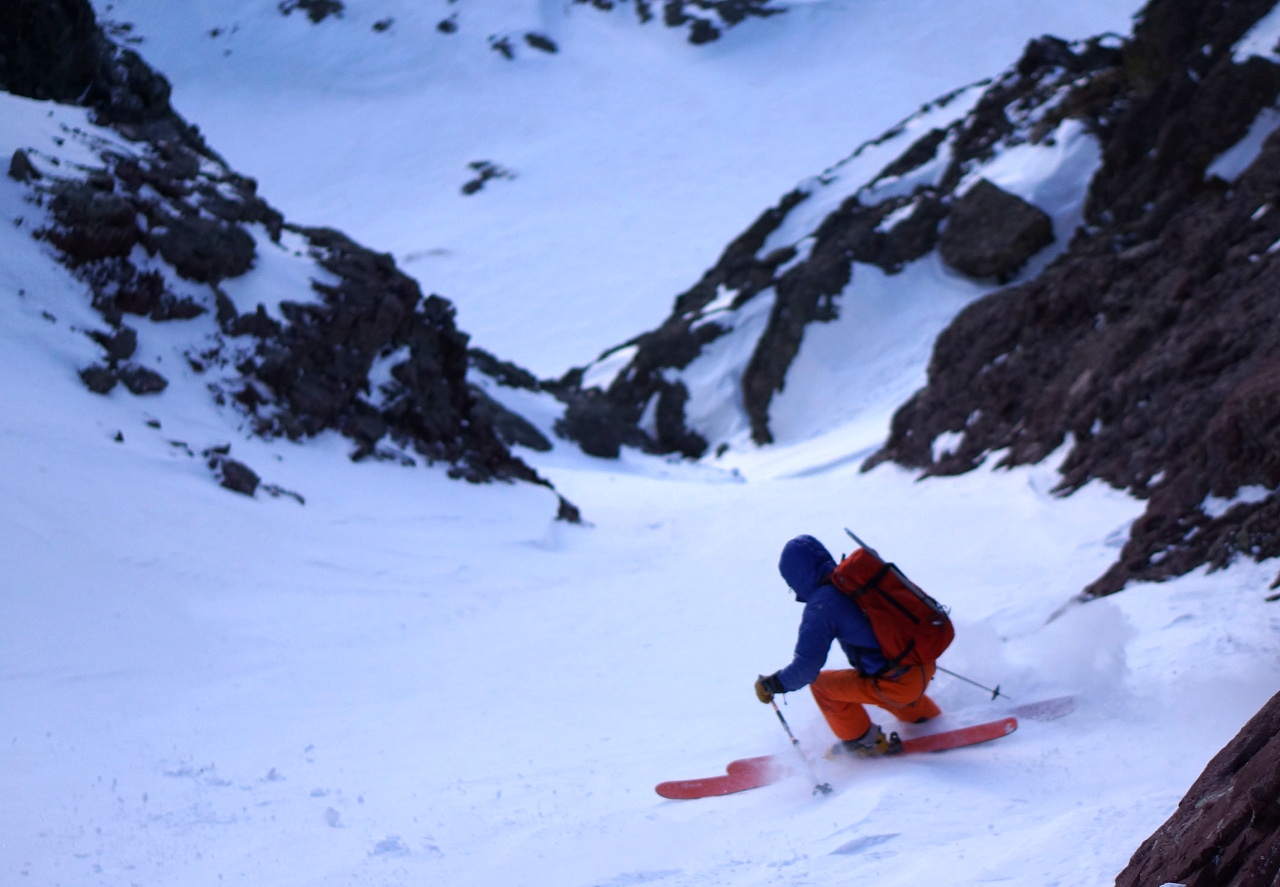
739 776
675 791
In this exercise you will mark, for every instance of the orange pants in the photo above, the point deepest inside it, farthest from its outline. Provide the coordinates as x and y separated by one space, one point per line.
840 694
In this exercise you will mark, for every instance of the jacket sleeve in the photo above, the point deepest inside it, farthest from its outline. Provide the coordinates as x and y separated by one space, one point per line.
817 631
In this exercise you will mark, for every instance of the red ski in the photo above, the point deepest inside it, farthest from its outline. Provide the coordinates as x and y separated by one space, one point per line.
749 773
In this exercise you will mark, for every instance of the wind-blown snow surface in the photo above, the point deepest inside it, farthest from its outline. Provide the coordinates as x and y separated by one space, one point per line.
637 156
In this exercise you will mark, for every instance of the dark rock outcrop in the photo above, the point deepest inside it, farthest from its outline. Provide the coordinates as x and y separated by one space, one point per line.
1226 831
54 50
316 10
485 171
314 369
514 429
1149 345
204 250
93 223
991 233
502 46
702 18
20 167
541 42
170 196
594 423
502 371
119 344
98 378
235 476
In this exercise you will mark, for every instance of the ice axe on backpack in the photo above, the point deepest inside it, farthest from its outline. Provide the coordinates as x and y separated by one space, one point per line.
861 544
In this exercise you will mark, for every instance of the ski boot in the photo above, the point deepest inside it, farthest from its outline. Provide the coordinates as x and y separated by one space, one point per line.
872 744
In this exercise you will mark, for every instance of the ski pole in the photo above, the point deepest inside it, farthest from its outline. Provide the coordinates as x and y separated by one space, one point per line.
994 692
823 787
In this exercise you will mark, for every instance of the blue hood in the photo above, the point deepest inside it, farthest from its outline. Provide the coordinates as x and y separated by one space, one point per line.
806 565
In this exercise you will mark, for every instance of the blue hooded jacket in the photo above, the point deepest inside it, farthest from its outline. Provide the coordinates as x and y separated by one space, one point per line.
829 615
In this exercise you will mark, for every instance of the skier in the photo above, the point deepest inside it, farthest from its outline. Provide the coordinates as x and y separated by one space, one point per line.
830 615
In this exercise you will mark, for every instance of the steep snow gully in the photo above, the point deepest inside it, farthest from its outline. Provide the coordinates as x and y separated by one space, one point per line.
303 403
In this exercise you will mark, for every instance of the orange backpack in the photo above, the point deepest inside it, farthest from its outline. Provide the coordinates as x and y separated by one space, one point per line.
912 627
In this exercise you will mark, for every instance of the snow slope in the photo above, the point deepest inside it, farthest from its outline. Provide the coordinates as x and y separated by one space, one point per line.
637 156
411 680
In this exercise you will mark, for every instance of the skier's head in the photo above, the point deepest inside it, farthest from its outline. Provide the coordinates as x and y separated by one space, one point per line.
805 565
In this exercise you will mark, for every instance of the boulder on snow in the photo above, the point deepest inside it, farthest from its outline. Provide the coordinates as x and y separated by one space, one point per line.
542 42
991 232
235 476
316 10
98 378
484 170
568 512
1226 830
119 344
21 169
141 380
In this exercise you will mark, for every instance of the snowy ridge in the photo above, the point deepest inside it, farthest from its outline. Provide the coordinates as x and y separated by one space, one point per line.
637 156
281 325
843 285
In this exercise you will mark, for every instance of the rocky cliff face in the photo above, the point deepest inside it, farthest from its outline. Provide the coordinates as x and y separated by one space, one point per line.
1226 831
1148 347
702 21
360 351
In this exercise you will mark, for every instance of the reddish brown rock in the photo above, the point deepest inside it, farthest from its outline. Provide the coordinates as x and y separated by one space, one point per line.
1226 831
991 232
1149 346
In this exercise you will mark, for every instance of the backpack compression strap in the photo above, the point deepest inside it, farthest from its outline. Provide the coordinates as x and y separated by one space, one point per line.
874 584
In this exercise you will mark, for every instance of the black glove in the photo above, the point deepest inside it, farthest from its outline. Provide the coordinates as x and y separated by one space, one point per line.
768 687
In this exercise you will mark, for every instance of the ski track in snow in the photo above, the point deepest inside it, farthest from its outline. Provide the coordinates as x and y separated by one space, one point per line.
413 680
